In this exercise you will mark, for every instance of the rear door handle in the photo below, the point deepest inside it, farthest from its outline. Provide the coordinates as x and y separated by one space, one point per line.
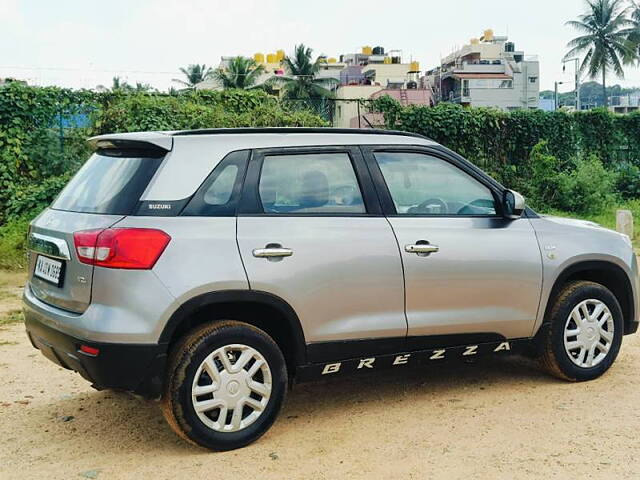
272 252
422 248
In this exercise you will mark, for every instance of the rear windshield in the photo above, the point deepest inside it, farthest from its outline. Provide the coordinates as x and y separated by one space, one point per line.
107 184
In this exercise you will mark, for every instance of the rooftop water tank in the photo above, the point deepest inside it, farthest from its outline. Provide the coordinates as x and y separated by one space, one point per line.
280 55
509 47
412 85
378 50
259 57
331 60
414 67
488 35
367 50
272 58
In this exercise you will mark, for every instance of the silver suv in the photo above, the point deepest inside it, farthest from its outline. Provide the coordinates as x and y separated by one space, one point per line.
210 268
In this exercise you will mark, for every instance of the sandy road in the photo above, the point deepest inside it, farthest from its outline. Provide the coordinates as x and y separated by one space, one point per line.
500 418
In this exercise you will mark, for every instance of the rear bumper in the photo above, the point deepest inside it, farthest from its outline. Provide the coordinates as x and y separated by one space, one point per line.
130 367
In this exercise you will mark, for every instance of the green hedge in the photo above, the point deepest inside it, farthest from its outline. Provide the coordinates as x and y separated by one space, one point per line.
37 155
493 138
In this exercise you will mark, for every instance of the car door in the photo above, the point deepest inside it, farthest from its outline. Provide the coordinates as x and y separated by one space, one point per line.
470 274
311 231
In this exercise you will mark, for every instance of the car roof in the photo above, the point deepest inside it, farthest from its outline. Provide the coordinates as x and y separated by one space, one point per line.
255 137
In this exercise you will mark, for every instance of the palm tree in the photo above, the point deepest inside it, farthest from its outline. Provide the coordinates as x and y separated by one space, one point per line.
633 38
301 81
117 84
605 29
195 74
242 73
142 87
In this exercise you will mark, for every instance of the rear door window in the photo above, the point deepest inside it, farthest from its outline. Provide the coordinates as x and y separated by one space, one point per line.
108 185
310 183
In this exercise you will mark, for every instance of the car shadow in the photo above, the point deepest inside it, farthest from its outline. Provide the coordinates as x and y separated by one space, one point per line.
115 422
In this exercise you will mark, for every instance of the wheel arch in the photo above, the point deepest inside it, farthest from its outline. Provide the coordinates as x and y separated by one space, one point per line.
606 273
277 318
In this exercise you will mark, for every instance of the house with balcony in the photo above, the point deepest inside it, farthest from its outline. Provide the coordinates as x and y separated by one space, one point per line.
372 73
487 72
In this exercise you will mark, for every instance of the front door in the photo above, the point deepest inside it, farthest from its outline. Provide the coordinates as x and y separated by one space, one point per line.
311 232
470 274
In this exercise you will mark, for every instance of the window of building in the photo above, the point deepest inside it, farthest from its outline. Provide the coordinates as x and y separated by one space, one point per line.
481 83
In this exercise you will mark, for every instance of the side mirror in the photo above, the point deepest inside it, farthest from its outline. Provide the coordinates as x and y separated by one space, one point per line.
512 204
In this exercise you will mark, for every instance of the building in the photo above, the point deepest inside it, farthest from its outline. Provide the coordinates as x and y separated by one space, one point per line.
272 64
487 72
358 76
372 73
547 104
625 103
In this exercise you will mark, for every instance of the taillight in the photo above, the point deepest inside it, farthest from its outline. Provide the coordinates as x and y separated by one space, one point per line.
129 248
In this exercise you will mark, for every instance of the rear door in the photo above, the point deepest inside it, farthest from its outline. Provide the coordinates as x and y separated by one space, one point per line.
104 190
471 275
311 232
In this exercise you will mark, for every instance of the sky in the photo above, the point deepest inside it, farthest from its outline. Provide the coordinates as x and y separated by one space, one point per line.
84 43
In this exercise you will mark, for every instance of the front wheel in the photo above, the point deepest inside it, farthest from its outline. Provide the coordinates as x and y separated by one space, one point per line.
225 386
583 335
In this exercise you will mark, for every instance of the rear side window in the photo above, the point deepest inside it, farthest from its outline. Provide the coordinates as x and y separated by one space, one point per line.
309 184
108 185
220 193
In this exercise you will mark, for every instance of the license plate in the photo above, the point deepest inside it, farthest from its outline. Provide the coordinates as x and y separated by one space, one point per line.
49 270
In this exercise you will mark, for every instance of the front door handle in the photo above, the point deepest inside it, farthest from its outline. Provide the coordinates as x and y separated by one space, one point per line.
273 250
422 249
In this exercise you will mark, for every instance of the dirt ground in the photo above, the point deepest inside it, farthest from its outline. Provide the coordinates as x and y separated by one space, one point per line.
499 418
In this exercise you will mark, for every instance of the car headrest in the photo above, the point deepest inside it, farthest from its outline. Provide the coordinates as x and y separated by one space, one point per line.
314 189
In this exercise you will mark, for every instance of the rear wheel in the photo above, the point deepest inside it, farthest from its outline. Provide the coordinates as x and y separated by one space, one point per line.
225 387
584 332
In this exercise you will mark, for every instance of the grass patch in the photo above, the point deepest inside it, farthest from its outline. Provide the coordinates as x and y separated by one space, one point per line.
13 237
12 317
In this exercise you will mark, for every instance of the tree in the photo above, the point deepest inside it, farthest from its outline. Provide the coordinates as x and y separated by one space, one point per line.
195 74
143 87
603 42
117 84
242 73
633 38
301 81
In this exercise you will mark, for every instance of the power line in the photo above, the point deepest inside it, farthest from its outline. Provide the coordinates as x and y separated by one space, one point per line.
116 70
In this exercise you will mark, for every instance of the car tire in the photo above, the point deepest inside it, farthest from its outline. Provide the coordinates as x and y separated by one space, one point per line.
585 318
234 366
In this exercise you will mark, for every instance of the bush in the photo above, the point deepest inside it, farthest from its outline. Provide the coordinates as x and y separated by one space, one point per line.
582 186
13 237
587 188
544 188
628 180
199 110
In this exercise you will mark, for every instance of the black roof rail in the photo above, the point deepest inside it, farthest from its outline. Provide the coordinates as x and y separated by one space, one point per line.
351 131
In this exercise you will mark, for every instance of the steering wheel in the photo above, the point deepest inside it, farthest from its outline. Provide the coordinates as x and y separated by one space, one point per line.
426 207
